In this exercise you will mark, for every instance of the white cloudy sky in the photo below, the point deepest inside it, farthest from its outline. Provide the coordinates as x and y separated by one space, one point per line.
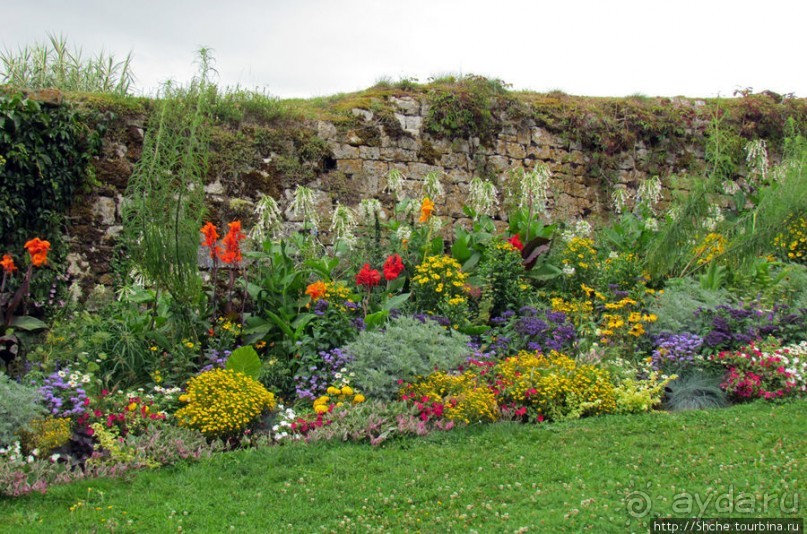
303 48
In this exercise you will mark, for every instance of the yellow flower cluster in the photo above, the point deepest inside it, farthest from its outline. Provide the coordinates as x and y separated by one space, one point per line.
792 243
336 292
578 311
222 402
439 279
555 385
465 398
710 247
46 434
580 254
623 320
338 397
639 396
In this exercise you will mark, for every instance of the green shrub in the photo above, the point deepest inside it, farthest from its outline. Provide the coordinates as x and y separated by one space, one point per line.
19 405
408 348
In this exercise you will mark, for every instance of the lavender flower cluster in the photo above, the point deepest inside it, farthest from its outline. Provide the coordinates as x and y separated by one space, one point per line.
63 393
313 381
676 349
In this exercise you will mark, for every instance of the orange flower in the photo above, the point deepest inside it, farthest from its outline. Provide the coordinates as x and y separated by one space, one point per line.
211 238
232 248
316 290
7 263
426 209
38 250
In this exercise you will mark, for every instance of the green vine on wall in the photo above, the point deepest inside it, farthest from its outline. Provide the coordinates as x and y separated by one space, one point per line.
48 152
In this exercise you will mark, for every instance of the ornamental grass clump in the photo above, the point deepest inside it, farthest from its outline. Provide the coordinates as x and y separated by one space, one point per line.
222 403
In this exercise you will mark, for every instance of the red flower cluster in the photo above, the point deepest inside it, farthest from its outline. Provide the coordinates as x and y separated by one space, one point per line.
516 242
393 267
368 277
7 263
232 247
211 239
38 249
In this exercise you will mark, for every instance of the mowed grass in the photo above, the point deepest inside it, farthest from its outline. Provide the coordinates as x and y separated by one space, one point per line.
745 461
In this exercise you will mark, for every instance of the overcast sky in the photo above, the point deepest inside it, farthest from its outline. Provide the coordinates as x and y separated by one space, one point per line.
304 48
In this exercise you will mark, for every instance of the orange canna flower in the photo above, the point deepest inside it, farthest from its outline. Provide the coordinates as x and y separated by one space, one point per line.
426 209
232 247
316 290
38 249
211 239
7 263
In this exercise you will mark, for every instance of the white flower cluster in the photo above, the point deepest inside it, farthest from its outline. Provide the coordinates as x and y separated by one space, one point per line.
342 224
395 184
577 228
267 219
795 359
756 157
282 429
714 218
482 196
370 210
649 193
535 188
303 205
13 455
432 187
74 379
619 199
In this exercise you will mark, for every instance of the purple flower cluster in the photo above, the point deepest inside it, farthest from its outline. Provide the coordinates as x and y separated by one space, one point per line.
676 349
532 330
63 394
215 359
729 328
311 382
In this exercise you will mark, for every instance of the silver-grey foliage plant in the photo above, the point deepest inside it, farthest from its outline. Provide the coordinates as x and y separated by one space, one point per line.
406 349
19 405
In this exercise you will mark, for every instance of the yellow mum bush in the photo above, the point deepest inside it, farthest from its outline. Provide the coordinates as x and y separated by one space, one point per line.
555 386
465 398
221 403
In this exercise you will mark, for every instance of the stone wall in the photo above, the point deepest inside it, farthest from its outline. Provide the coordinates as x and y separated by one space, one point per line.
360 153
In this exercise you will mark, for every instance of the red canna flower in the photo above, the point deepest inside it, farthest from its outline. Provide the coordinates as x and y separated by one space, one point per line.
232 247
516 242
211 239
368 277
7 263
38 249
393 267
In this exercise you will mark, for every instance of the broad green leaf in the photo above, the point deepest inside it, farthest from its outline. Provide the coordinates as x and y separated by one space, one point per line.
245 360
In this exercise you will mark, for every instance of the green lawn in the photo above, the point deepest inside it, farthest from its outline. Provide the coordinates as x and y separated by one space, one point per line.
745 461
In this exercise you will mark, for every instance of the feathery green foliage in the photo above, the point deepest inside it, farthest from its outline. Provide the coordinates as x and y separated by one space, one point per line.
53 64
165 196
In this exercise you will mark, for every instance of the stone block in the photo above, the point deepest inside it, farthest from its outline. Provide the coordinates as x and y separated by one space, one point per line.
349 166
103 210
342 151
